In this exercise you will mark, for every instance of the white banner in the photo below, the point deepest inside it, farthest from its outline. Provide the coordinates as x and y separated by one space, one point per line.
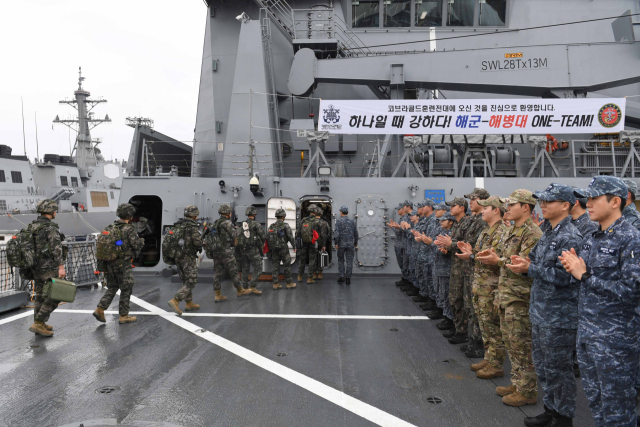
472 116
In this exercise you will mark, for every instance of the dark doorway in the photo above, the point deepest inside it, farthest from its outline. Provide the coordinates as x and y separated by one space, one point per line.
148 223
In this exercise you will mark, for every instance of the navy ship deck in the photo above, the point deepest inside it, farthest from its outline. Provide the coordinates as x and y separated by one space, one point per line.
318 355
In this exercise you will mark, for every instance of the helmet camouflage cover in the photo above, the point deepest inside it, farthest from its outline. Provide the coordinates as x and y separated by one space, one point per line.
280 213
47 206
125 210
191 211
251 210
224 209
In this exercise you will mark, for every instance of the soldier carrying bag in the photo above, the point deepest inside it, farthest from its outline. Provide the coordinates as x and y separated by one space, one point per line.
59 290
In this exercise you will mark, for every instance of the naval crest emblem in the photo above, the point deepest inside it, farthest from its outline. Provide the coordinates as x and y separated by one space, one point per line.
331 115
609 115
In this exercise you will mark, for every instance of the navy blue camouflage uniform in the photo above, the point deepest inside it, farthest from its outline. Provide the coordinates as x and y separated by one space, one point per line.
553 309
632 216
584 225
427 257
608 319
345 236
405 238
442 269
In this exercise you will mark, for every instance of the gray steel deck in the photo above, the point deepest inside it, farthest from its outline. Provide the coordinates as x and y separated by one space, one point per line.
170 376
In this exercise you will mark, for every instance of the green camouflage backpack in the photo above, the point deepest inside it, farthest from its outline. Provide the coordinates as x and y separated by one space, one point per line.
308 226
248 236
276 236
109 243
21 251
174 244
213 241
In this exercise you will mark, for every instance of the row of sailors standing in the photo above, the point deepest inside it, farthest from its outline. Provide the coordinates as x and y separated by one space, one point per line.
541 292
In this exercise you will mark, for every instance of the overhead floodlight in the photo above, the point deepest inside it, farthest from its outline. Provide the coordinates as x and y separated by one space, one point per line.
324 171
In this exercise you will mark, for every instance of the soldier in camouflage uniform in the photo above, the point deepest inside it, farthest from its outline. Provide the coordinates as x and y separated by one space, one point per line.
412 251
513 298
475 347
309 252
188 266
278 235
580 218
427 230
442 270
120 271
630 213
345 239
50 265
485 288
323 243
417 253
553 306
224 258
250 243
405 225
608 272
441 297
400 243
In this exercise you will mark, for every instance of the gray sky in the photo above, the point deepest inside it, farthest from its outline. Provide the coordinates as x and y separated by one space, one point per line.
142 56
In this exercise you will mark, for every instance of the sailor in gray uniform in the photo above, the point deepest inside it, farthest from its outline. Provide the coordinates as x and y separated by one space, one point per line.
630 213
345 238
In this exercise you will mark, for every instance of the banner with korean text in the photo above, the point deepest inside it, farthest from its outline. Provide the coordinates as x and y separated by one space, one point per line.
472 116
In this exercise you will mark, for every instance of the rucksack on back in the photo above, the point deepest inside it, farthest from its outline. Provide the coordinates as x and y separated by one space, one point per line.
307 230
212 240
109 244
276 236
21 250
174 245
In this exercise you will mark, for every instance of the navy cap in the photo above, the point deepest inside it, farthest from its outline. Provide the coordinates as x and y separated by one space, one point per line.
601 185
442 207
447 217
413 213
582 200
555 192
400 206
631 185
429 202
408 203
344 209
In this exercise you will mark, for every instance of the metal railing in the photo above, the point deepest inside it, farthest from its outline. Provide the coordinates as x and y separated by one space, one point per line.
81 267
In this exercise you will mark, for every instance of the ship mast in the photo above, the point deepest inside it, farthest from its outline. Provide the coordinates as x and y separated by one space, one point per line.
84 148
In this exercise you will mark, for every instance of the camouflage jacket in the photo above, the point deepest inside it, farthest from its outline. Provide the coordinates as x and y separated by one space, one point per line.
584 225
457 231
609 299
520 241
433 230
192 237
131 243
469 230
442 261
325 234
486 276
228 234
554 297
346 233
275 240
423 226
401 235
632 215
255 229
48 245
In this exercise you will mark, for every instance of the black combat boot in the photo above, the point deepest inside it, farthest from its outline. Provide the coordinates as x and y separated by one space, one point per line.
400 282
341 280
448 334
412 292
445 325
434 314
539 420
458 338
429 305
420 298
475 350
348 280
405 288
560 421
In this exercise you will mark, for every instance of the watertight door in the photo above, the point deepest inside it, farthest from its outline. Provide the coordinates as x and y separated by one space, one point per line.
371 218
289 207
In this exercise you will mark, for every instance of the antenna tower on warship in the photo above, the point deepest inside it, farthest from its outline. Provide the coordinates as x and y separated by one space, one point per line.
84 149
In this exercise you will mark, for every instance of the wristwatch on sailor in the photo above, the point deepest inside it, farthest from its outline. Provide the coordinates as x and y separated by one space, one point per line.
585 276
472 257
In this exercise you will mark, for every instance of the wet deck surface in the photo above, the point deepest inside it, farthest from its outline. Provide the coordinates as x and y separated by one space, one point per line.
227 371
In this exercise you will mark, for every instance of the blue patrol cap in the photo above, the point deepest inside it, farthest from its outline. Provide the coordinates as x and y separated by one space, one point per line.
447 217
582 200
604 185
400 206
413 213
408 203
631 185
441 207
344 209
555 192
429 202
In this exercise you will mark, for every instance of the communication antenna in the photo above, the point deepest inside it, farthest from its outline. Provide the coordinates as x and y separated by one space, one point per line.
24 139
37 145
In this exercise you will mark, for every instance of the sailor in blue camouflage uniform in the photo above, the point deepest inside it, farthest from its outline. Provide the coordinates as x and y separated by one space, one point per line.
432 230
405 225
345 238
442 297
412 250
608 270
399 243
580 217
553 307
442 269
425 255
630 212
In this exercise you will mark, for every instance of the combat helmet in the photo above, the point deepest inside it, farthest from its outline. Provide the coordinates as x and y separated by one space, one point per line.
280 213
125 210
224 209
47 206
251 210
191 211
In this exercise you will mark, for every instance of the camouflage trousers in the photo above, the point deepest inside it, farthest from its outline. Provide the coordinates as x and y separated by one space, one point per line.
277 255
473 328
424 277
456 298
552 351
443 296
516 333
119 277
248 259
43 307
489 324
308 254
405 264
345 259
400 259
225 261
188 273
608 376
